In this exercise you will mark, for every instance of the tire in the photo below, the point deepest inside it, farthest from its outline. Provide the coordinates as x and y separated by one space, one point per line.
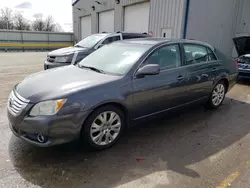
220 89
103 134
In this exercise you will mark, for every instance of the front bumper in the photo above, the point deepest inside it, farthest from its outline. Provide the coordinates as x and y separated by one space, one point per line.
245 73
56 129
49 65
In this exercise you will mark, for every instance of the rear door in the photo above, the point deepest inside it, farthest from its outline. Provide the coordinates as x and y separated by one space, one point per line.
201 68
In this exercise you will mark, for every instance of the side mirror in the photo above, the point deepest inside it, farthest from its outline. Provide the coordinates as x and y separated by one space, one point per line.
150 69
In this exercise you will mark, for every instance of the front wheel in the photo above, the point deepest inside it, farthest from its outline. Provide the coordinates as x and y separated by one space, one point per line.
103 127
217 96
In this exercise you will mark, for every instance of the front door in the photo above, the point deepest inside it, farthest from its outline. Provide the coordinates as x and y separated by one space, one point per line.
156 93
201 68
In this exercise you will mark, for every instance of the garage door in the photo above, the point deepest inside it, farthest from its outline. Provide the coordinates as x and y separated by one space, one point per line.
85 26
106 21
136 17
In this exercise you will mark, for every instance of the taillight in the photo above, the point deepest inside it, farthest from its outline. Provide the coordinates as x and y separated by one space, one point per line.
236 64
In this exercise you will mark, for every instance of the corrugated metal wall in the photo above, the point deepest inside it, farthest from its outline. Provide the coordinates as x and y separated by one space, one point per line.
163 14
243 18
167 14
214 21
24 40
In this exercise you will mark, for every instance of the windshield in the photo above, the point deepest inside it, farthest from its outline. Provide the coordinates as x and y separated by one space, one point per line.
91 40
115 58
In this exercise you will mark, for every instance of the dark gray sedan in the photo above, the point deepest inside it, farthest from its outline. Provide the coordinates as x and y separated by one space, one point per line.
116 86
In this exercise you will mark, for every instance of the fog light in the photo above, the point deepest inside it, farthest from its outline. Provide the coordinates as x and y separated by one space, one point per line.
40 138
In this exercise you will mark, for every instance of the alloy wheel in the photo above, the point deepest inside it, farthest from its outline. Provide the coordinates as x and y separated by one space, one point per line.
218 94
105 128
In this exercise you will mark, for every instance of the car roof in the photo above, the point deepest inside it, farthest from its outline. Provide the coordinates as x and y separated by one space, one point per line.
126 33
156 41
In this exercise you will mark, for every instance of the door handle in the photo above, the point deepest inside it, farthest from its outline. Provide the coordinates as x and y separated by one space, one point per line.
204 75
214 69
180 77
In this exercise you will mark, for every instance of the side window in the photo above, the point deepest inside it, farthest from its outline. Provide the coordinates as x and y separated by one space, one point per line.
167 57
133 36
125 37
195 54
211 56
111 39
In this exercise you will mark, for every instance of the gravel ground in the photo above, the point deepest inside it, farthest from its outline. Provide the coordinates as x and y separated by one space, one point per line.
194 149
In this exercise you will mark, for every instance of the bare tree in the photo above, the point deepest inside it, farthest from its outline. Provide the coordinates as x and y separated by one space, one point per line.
38 25
45 25
58 28
50 24
20 23
17 21
6 18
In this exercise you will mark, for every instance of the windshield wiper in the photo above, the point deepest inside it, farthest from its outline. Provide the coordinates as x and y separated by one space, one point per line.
78 46
92 68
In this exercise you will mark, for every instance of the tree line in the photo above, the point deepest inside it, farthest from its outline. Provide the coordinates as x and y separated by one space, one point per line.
16 21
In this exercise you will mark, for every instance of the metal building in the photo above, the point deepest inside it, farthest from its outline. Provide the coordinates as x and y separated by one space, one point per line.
212 21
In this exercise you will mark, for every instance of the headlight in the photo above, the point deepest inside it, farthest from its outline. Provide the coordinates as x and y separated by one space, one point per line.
47 108
64 59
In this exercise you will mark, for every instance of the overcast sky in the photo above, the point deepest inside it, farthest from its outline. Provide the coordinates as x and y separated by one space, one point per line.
61 10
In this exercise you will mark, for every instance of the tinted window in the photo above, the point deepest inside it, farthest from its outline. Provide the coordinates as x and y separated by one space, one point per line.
167 57
116 58
111 39
195 54
133 36
80 56
211 56
126 37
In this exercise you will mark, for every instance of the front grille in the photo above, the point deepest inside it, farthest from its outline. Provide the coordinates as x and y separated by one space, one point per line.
16 103
51 59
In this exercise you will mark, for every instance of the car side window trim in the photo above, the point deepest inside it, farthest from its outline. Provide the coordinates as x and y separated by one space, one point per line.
205 46
156 48
109 36
209 49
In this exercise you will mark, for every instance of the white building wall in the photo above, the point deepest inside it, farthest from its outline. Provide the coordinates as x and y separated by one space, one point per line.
163 14
106 21
136 17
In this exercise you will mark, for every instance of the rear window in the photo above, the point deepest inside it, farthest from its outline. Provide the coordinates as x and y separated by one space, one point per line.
196 53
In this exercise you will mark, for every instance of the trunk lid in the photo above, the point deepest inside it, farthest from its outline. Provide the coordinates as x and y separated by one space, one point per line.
242 45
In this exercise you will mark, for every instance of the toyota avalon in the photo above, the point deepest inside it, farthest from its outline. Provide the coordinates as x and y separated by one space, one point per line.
114 87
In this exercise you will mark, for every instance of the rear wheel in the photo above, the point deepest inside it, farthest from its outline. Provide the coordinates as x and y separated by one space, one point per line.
103 127
218 95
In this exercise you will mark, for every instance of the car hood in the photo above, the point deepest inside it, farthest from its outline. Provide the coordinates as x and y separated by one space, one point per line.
67 50
242 45
60 82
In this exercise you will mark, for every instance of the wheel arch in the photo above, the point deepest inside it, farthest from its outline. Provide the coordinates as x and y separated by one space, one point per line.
225 80
223 77
117 104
